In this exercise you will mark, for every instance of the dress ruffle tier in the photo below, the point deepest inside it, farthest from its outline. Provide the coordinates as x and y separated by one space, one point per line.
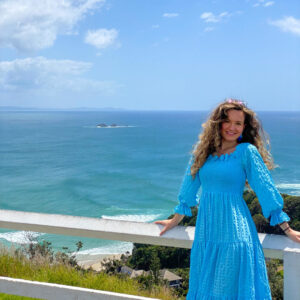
234 269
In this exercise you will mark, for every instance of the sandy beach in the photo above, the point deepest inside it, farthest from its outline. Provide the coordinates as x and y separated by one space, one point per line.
94 261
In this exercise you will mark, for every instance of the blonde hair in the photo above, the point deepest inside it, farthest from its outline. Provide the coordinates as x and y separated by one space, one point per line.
210 140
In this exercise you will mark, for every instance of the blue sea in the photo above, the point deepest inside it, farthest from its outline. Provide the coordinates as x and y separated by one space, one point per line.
61 162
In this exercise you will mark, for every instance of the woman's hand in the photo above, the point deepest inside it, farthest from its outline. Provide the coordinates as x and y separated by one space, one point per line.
293 235
170 223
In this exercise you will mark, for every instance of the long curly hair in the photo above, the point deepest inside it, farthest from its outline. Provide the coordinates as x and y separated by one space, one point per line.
210 139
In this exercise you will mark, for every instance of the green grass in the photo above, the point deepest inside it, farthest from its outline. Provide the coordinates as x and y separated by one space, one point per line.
18 266
12 297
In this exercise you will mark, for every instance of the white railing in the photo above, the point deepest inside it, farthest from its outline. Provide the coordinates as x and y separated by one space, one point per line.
52 291
274 246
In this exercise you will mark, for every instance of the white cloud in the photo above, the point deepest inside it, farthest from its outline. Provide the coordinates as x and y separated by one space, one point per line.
170 15
101 38
209 17
223 14
34 24
263 3
39 73
288 24
269 3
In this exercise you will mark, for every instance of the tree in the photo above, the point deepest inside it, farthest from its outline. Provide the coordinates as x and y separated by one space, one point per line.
155 265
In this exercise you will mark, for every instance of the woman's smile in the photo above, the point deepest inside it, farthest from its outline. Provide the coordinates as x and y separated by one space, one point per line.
233 126
230 133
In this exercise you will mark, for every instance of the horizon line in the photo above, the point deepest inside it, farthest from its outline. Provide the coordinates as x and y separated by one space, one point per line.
28 108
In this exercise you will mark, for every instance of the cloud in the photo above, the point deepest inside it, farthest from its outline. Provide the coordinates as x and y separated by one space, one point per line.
263 3
209 17
32 25
269 3
288 24
156 26
170 15
101 38
40 73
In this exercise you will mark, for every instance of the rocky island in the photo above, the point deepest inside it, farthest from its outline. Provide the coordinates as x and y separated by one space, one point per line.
103 125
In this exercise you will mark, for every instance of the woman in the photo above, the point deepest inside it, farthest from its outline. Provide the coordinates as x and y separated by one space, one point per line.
227 259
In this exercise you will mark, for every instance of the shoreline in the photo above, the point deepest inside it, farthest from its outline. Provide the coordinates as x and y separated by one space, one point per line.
94 260
84 260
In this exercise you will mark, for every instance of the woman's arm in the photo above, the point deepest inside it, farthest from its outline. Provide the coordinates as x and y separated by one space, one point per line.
187 195
292 234
261 181
186 199
271 201
284 226
177 218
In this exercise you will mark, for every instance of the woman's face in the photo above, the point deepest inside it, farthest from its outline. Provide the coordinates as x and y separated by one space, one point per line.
232 128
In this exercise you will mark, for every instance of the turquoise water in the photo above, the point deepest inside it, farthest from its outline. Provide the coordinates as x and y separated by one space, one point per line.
61 162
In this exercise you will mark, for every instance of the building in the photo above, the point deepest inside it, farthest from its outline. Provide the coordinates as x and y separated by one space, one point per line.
173 279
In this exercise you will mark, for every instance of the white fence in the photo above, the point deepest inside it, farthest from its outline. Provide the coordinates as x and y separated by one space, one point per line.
274 246
53 291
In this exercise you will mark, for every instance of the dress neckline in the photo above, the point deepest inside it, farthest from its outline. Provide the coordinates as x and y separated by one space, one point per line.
225 155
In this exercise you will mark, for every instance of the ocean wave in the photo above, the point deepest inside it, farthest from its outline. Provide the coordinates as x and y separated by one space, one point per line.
21 237
134 218
295 186
121 247
109 126
118 126
291 188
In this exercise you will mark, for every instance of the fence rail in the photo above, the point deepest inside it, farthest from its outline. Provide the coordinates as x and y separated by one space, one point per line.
54 291
274 246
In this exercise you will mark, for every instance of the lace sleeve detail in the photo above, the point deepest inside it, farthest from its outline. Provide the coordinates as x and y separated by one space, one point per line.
260 180
187 195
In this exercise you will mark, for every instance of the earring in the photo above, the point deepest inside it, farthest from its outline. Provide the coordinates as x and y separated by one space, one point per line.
240 138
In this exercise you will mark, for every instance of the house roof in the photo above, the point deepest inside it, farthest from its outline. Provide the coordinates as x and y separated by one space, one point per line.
164 273
170 276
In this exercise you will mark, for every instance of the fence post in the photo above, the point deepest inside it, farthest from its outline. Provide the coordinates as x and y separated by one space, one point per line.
291 274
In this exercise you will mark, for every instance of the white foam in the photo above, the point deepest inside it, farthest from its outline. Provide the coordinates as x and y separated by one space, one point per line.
121 247
21 237
294 186
109 126
135 218
118 126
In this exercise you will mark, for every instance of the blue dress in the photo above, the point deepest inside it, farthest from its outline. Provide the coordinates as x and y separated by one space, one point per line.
227 259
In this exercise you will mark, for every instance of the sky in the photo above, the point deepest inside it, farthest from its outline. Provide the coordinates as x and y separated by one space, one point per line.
150 55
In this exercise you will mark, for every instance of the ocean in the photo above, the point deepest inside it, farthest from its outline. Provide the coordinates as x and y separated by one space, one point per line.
61 162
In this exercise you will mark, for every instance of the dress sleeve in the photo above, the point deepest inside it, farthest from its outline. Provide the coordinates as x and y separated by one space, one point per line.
260 180
188 192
